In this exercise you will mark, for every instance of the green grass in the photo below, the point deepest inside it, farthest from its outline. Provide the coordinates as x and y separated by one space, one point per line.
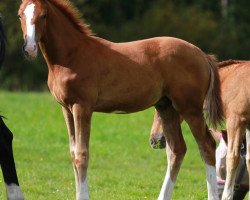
122 164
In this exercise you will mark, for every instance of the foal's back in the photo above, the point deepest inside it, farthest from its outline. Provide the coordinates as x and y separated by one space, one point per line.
234 78
150 68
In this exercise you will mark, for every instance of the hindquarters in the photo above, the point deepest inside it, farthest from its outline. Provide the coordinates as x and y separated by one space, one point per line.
236 105
196 81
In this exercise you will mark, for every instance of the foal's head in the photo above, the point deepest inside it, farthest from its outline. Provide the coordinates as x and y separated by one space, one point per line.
32 14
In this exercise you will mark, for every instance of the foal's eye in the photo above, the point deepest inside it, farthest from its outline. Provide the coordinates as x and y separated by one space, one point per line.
44 16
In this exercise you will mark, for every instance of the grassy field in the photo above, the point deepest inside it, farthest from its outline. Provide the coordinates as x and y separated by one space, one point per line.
122 164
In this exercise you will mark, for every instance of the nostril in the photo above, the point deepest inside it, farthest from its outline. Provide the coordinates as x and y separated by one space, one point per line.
25 52
24 47
163 142
163 139
152 142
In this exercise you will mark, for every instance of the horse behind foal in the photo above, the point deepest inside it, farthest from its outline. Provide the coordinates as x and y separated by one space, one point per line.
88 74
6 153
235 94
234 78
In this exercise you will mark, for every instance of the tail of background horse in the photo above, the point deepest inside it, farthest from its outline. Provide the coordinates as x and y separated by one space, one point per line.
213 98
2 42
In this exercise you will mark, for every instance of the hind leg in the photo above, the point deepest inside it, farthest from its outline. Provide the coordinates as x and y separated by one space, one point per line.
206 146
235 128
176 148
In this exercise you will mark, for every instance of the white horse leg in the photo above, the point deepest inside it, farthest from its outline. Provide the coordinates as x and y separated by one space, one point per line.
211 182
175 148
13 192
235 129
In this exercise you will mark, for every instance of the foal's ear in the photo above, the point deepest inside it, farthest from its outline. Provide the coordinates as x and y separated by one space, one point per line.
224 135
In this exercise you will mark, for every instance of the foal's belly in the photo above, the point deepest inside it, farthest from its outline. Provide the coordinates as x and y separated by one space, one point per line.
122 108
132 100
127 90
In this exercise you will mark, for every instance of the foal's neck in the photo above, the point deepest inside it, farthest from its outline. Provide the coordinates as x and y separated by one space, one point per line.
61 38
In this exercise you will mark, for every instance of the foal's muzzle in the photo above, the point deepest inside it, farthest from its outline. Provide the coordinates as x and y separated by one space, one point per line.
158 142
29 49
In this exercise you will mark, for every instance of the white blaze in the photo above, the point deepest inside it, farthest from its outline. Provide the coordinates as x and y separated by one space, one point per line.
30 30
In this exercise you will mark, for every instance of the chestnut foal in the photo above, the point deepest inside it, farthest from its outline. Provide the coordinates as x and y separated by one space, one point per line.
235 96
88 73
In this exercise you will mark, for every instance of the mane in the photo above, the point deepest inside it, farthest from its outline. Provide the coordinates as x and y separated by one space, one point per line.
2 42
227 63
73 14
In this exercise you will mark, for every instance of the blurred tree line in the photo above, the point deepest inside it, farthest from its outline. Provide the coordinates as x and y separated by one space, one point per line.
221 27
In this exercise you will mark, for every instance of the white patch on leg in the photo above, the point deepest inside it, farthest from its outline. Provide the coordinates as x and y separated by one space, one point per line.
84 191
168 183
211 182
227 194
167 186
13 192
228 191
31 46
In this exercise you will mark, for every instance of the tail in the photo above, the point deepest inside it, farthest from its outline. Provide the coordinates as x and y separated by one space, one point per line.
213 98
2 43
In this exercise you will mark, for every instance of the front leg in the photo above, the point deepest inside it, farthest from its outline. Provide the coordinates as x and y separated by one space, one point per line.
68 116
82 119
236 129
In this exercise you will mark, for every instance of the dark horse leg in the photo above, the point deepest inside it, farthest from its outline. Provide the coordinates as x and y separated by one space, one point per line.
8 164
6 153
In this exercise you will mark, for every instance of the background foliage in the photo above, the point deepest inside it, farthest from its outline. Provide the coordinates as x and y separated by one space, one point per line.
223 31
